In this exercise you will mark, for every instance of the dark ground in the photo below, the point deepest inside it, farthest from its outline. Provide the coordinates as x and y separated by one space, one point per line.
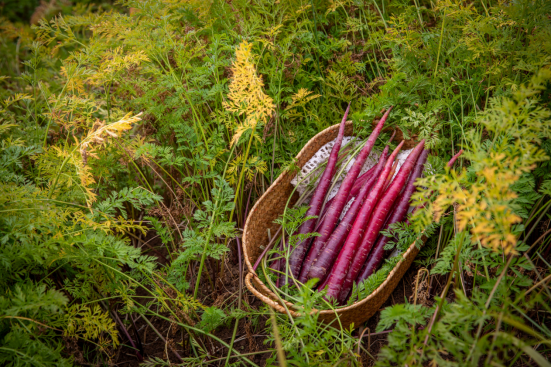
250 336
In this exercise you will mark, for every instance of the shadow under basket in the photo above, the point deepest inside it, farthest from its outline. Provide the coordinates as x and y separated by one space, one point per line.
270 206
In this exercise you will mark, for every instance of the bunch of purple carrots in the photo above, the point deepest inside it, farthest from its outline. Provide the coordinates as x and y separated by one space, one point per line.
350 250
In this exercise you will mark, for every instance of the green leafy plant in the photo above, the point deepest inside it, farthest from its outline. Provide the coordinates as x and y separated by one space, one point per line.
135 138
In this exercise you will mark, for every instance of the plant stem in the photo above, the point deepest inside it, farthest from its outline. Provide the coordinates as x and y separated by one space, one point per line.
239 300
161 337
210 231
440 45
277 340
488 303
315 31
380 13
445 291
242 173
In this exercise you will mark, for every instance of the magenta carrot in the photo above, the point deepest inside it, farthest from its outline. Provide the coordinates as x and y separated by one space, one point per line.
321 267
298 254
453 159
392 136
361 180
390 176
341 265
323 262
359 183
376 222
357 186
398 214
334 211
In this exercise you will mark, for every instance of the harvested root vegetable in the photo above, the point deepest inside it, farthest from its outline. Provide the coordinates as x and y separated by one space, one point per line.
339 270
376 222
357 186
340 200
398 214
324 261
454 158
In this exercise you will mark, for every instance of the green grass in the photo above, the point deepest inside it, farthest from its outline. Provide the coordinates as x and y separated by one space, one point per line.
111 220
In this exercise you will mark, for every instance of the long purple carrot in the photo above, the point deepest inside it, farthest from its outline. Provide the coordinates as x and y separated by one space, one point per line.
390 176
398 214
453 159
324 261
298 254
334 211
357 186
267 248
359 183
343 287
341 265
329 253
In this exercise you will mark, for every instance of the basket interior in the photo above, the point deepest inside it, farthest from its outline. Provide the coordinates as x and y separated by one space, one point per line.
271 205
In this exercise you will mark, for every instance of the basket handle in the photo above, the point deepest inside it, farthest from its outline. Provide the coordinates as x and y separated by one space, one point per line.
266 299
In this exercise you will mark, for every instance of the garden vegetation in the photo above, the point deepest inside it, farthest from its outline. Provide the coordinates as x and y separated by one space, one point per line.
136 135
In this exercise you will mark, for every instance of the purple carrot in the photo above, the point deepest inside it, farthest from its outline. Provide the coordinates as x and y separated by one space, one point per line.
267 248
398 214
357 186
341 265
298 254
323 262
334 211
392 135
338 272
329 253
320 268
390 176
342 289
453 159
359 182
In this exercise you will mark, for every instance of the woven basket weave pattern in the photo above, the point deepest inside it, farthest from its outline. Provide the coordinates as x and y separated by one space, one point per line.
270 206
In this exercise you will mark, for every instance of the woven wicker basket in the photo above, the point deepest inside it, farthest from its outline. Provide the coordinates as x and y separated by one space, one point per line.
270 206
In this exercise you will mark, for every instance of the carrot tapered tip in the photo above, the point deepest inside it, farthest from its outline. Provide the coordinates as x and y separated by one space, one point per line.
399 146
345 117
393 135
453 159
384 117
420 145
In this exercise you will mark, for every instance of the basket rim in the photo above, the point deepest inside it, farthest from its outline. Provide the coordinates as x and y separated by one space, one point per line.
280 178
